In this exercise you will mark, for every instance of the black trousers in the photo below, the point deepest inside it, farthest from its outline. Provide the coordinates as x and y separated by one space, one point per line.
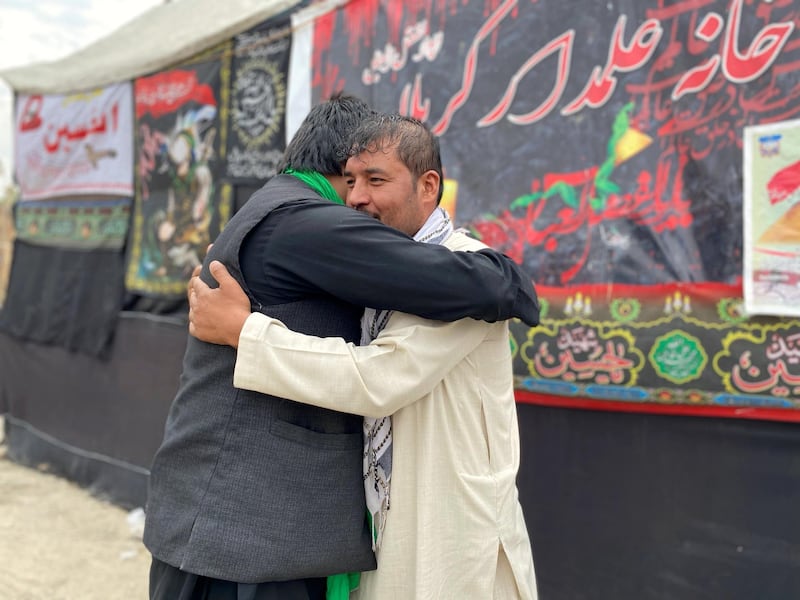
169 583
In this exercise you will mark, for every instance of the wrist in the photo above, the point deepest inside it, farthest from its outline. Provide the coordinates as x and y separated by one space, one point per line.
238 325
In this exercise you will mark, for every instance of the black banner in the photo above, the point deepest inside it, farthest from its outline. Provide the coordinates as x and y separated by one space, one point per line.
599 144
257 133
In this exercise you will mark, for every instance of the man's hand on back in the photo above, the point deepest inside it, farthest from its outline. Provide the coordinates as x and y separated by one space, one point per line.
217 315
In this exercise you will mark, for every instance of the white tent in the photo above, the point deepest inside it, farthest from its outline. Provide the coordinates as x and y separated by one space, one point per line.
160 37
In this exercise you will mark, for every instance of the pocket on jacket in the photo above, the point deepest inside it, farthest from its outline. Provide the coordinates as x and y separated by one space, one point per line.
330 441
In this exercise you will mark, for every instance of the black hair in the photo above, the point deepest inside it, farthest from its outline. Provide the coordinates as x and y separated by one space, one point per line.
321 142
414 142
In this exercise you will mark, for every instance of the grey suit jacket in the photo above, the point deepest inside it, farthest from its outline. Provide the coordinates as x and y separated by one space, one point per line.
247 487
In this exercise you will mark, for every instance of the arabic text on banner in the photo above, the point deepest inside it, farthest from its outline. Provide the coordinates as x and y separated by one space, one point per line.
75 144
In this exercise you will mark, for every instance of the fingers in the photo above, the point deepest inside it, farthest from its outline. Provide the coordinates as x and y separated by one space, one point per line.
230 289
192 280
192 297
192 302
221 274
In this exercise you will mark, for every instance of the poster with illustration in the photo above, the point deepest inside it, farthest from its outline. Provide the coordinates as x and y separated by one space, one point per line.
180 205
772 218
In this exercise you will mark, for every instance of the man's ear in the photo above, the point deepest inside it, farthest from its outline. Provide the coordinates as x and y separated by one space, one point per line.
429 182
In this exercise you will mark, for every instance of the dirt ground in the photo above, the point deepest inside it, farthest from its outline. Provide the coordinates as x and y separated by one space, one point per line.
58 542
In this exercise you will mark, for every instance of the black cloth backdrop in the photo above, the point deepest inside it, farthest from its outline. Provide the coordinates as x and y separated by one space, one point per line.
625 506
97 422
64 297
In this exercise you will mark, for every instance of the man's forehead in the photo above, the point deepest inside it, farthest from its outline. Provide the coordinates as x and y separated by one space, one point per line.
381 145
373 161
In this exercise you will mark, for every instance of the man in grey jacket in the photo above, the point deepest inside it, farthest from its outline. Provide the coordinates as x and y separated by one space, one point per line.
438 398
254 496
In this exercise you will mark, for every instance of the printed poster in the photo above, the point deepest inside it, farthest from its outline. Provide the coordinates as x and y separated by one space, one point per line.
772 218
180 204
75 144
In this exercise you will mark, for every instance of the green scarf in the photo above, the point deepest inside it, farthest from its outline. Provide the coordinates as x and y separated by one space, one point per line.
340 585
317 182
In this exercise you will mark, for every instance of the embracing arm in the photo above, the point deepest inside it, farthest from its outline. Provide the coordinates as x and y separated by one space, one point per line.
404 363
356 258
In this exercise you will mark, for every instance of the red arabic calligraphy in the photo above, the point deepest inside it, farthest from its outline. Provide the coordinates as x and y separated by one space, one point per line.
73 132
737 61
581 356
657 203
777 373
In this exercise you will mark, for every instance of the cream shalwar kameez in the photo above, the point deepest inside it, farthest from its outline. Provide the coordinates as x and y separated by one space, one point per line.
455 528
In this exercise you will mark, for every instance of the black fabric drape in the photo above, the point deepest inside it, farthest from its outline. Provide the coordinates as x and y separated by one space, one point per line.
62 297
